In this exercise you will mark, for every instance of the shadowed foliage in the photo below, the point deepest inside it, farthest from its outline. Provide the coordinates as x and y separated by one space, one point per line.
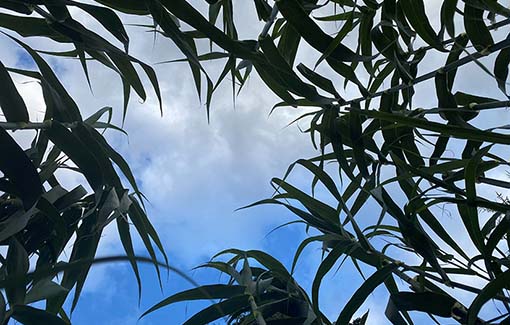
409 156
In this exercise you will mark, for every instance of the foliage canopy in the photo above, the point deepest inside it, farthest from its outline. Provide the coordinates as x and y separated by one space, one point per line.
393 144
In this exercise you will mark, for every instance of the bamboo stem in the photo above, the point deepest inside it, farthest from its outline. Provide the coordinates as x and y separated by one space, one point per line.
16 126
447 68
255 311
416 286
270 21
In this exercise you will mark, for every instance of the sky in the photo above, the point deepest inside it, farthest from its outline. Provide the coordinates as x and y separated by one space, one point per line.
196 174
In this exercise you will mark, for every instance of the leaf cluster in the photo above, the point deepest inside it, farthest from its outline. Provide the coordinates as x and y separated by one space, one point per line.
410 162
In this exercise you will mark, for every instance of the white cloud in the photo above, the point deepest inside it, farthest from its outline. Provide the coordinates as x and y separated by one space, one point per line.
194 173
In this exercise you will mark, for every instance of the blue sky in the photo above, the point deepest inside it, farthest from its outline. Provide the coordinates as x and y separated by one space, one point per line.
195 175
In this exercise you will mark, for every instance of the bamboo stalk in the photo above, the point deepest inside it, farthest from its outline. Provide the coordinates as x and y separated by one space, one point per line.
17 126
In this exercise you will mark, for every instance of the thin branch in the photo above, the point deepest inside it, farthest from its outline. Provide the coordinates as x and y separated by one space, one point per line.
494 182
15 126
447 68
418 287
270 21
490 105
255 311
452 40
453 283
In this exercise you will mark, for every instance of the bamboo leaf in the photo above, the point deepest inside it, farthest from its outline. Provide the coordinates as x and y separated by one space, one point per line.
44 289
476 29
453 131
217 291
12 104
415 13
219 310
22 175
326 265
429 302
362 293
448 15
32 316
501 68
68 111
109 20
16 265
488 292
311 32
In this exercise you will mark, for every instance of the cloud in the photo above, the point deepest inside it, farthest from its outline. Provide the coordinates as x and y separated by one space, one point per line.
195 173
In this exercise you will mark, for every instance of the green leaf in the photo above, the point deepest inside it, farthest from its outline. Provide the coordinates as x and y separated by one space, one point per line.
263 9
439 149
3 307
146 232
187 13
392 314
501 68
108 19
488 292
31 27
68 110
428 302
53 215
348 73
44 289
415 13
439 230
22 174
448 15
303 245
79 153
341 16
450 130
22 8
204 57
326 265
12 104
282 72
265 259
497 235
312 33
469 213
289 43
363 292
123 229
135 7
467 99
217 291
16 265
219 310
223 267
358 146
184 43
476 29
275 86
32 316
87 240
72 197
365 38
316 207
129 73
347 27
318 80
118 160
